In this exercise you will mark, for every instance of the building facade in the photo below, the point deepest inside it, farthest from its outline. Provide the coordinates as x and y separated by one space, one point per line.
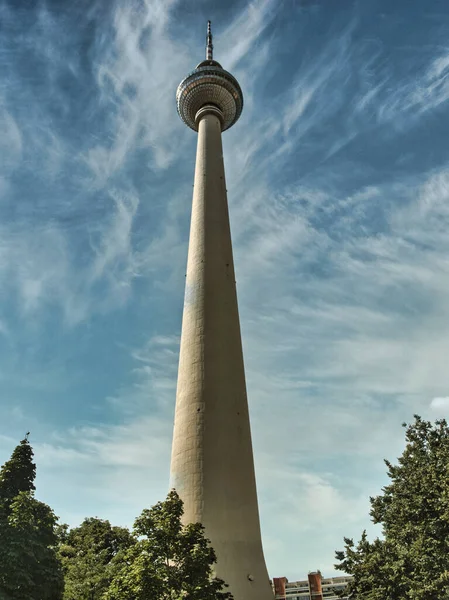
315 587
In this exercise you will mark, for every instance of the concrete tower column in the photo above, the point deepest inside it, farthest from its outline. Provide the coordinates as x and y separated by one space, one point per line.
212 465
212 460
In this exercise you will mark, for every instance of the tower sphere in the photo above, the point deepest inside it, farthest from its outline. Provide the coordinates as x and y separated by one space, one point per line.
209 84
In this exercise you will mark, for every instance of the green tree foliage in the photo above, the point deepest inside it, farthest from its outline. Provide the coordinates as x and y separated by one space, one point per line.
18 473
412 561
91 555
29 568
170 561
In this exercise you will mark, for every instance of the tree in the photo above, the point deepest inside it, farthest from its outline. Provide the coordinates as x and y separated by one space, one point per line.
412 561
169 561
18 473
29 568
91 554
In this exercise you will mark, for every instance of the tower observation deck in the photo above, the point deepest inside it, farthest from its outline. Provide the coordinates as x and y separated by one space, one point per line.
212 466
209 85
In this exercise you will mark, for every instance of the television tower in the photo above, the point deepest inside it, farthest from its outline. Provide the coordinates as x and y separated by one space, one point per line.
212 466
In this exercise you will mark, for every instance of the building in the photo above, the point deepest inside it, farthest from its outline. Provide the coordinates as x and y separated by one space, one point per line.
212 466
315 587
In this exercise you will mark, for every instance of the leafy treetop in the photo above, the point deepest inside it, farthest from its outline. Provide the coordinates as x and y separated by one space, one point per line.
412 561
18 473
170 561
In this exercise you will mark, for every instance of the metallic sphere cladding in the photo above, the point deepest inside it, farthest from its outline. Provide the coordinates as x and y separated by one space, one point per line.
209 83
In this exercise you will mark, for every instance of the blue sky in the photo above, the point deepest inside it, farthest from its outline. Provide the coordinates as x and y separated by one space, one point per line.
338 183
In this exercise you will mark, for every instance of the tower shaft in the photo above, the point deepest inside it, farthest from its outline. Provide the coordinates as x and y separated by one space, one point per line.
212 465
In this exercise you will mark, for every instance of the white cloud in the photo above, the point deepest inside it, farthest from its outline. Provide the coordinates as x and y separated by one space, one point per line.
440 405
406 101
39 266
114 257
135 82
242 34
120 469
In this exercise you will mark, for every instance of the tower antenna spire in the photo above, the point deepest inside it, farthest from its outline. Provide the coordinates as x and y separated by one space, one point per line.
209 45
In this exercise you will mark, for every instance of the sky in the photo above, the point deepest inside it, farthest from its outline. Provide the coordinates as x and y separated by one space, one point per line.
338 186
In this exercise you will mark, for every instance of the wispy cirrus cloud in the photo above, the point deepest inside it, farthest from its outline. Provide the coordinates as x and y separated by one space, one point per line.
135 79
39 266
243 33
417 95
